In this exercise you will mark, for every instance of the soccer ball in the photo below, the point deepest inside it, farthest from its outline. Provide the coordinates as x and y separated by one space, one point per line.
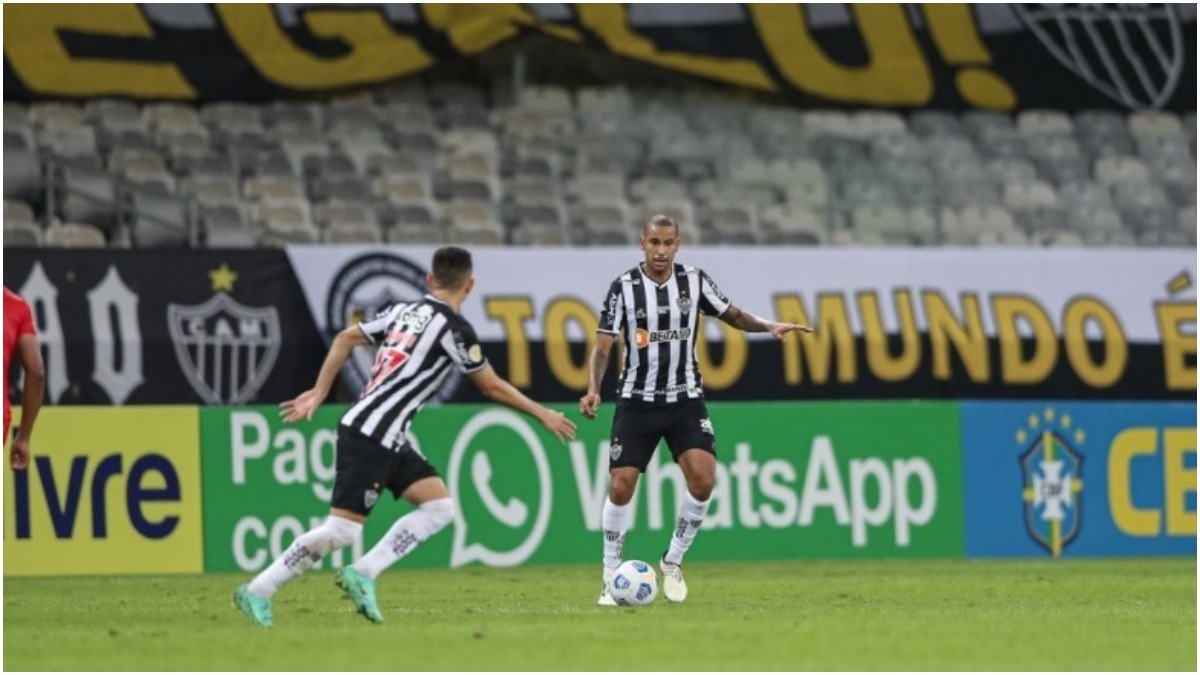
634 583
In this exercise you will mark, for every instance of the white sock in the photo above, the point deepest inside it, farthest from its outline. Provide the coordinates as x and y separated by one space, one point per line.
691 515
406 534
614 520
305 552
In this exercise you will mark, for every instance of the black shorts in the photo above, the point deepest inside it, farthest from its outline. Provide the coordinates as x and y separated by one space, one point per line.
639 426
365 468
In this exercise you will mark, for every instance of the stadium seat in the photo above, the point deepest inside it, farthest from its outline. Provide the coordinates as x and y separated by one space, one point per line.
22 175
1084 194
1039 123
1095 224
931 123
889 223
977 123
1109 170
225 227
1010 170
284 223
74 235
158 220
1100 123
1144 123
783 224
1029 194
1134 195
735 222
21 233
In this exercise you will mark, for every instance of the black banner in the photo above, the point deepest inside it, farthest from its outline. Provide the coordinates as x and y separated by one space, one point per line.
171 326
763 379
227 327
903 56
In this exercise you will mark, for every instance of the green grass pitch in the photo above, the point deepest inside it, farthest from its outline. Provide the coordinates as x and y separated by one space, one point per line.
1110 614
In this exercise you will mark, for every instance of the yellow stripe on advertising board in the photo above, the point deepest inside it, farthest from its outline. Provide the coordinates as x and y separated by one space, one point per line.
109 491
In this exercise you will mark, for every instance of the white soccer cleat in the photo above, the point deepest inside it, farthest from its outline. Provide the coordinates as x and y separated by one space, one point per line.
606 598
674 587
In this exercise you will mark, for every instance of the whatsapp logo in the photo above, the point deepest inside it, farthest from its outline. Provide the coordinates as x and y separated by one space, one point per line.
498 503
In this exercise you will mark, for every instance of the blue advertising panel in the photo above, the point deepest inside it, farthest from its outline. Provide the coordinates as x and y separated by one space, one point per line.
1062 478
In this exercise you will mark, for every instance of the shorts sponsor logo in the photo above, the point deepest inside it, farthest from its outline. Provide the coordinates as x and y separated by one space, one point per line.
1052 468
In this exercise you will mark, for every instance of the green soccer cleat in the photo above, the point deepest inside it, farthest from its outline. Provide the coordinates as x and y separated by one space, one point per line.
360 589
257 609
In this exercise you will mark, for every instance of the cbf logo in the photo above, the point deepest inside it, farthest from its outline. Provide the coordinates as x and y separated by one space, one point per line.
1053 477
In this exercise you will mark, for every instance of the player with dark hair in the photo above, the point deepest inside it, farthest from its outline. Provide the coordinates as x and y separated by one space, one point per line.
417 344
661 395
20 338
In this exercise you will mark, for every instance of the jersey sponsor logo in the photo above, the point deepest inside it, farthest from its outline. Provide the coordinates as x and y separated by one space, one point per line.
367 285
225 349
1053 471
417 319
644 338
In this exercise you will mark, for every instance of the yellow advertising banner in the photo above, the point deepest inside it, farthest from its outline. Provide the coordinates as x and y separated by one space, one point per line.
108 491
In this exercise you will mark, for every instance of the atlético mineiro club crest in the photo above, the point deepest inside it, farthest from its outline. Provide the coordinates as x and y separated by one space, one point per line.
225 349
1052 471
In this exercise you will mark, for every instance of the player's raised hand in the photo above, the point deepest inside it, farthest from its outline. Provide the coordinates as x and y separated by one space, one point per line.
588 404
558 424
778 330
301 407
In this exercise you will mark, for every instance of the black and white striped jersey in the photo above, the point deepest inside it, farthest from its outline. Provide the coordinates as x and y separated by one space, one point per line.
418 343
659 322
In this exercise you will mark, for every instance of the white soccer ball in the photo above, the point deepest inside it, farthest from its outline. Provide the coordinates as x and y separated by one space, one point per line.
634 583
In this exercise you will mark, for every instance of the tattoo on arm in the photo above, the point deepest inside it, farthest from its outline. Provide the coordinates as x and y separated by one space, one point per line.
744 321
598 363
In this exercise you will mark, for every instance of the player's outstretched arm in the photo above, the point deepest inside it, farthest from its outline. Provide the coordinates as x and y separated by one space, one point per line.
597 364
304 405
501 391
745 321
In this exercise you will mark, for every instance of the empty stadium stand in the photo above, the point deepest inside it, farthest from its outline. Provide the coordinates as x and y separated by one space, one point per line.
416 164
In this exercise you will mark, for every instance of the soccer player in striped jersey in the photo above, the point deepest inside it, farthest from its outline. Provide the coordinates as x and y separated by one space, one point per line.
656 305
417 343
